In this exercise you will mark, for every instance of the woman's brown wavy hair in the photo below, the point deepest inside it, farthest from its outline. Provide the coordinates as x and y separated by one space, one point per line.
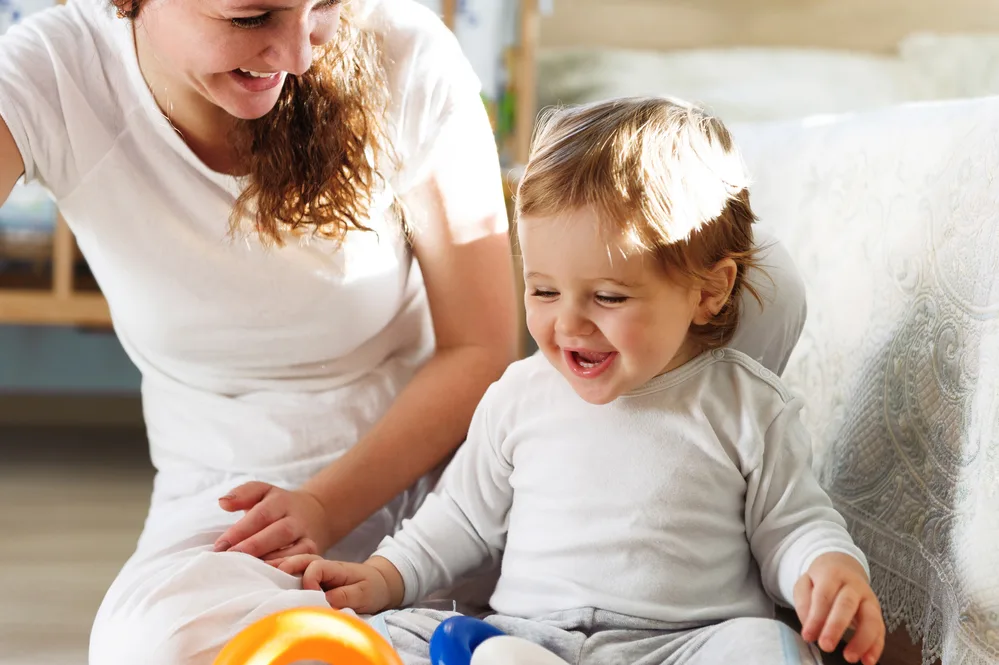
312 163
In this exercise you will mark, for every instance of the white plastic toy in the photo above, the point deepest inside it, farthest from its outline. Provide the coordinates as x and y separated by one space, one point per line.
506 650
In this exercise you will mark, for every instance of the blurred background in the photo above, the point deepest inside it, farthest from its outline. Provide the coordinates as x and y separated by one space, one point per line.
74 471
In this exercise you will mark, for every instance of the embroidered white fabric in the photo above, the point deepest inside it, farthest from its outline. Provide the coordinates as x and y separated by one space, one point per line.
893 219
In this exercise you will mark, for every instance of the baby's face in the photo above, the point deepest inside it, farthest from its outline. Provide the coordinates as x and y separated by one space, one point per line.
602 312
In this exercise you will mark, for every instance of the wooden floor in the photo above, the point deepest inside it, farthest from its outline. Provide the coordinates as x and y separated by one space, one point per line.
73 504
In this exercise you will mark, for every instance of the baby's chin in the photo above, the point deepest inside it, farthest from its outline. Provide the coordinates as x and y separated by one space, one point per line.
598 401
592 392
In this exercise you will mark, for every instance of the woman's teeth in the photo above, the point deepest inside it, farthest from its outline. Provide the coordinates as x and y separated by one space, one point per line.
259 75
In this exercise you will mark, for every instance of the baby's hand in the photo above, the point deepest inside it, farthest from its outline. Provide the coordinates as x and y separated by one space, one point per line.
361 587
833 595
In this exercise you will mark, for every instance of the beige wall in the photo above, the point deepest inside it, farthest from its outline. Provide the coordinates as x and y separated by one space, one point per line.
872 25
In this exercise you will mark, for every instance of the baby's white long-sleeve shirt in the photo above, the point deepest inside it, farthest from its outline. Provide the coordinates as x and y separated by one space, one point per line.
689 499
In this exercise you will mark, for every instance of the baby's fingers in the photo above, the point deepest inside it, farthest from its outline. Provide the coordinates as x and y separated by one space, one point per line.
294 565
357 597
843 610
823 595
869 640
323 574
874 655
803 598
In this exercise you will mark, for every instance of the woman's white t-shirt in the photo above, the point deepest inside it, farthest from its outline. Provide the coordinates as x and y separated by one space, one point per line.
267 361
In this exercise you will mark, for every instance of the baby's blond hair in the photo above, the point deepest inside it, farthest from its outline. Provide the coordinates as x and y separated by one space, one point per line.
664 174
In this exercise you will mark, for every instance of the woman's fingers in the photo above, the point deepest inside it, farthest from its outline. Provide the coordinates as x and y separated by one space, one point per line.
270 538
245 496
301 546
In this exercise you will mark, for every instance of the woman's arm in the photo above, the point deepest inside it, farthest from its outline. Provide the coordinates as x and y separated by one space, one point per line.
467 269
11 162
460 238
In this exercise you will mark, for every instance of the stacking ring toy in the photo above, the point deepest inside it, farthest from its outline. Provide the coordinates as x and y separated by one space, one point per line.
456 638
506 650
308 633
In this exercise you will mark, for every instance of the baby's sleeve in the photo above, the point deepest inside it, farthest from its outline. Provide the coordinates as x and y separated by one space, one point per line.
790 520
463 524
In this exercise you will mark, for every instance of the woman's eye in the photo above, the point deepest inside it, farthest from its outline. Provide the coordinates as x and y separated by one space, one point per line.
257 21
544 294
610 300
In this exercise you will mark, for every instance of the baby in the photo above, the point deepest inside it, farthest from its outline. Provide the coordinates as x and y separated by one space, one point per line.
646 489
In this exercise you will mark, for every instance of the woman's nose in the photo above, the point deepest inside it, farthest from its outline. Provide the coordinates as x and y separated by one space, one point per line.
325 30
292 51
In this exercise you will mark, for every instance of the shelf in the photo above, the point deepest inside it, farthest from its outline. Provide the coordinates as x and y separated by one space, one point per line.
43 308
52 292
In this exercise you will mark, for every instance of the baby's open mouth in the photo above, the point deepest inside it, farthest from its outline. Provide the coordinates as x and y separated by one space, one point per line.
588 364
590 359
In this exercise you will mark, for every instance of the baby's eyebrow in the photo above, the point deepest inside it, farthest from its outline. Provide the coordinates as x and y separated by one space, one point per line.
537 275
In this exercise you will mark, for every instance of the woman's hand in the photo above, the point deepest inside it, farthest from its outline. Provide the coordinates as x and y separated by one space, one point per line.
278 523
834 595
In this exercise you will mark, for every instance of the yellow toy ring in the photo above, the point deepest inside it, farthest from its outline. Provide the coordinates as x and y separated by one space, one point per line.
308 633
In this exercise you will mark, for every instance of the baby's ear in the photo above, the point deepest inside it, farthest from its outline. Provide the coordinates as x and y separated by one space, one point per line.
715 291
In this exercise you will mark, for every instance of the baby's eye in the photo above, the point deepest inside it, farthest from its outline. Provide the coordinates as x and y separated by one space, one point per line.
544 294
609 299
251 21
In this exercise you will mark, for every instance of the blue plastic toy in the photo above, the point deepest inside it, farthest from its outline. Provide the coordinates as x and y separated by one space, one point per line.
468 641
456 638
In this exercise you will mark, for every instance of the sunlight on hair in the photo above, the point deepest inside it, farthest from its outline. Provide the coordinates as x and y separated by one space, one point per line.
661 175
662 160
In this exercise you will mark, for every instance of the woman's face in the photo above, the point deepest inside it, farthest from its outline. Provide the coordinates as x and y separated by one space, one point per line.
233 53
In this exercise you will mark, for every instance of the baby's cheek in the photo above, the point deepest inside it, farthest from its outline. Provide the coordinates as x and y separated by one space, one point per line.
628 332
536 325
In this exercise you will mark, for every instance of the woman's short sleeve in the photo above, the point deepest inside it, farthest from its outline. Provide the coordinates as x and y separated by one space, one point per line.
433 87
41 61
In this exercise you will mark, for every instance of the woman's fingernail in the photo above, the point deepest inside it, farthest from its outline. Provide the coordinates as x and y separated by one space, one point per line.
222 546
228 497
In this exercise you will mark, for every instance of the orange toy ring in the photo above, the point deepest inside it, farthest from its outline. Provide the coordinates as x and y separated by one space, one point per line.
308 633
